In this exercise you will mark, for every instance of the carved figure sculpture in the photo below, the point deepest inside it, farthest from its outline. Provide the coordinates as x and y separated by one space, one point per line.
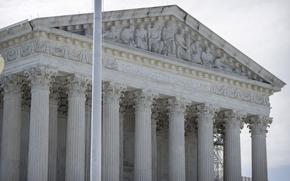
112 34
155 42
237 69
127 35
207 57
222 62
188 43
168 36
196 50
141 37
181 47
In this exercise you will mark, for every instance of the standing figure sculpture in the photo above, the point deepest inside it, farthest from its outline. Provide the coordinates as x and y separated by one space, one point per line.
188 43
127 35
207 57
181 47
141 37
196 50
168 36
155 43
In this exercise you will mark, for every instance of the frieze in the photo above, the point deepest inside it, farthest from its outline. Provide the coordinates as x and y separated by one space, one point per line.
26 50
70 52
214 88
49 48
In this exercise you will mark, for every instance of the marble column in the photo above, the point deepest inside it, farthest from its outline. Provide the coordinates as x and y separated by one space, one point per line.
191 152
258 127
154 145
232 148
143 147
176 146
61 145
76 129
52 151
40 78
88 133
122 112
111 132
205 119
11 130
25 117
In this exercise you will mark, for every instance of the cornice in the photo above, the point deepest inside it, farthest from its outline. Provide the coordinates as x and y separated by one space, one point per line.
174 65
54 43
78 48
48 34
184 19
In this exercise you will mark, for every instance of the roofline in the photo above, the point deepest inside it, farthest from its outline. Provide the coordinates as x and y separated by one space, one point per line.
162 11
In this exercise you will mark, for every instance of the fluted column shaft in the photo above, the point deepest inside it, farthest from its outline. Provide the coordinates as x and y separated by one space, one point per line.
205 142
258 127
176 148
122 111
88 135
232 147
52 155
154 146
39 124
191 158
11 130
111 132
143 147
76 127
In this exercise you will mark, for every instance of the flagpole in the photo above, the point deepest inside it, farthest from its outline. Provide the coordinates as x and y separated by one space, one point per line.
96 126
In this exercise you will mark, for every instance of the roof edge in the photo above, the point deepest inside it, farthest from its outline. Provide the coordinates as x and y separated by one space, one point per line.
174 10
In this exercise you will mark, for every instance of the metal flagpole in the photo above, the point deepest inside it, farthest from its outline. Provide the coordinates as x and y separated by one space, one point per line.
96 126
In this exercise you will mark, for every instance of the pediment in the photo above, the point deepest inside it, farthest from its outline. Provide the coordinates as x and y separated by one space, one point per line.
171 32
172 38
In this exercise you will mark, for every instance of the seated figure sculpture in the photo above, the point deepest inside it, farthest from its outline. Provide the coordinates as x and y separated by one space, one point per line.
141 37
128 35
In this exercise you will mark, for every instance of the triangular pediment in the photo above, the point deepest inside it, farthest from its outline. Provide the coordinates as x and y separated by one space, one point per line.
171 32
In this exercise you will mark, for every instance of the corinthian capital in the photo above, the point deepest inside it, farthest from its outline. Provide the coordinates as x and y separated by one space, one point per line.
144 98
77 85
41 76
11 84
177 104
233 118
206 111
259 124
113 91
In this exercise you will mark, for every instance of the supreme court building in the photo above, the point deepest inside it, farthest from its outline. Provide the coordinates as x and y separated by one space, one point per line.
175 98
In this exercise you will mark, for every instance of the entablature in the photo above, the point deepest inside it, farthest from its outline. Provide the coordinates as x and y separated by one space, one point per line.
65 45
179 32
77 48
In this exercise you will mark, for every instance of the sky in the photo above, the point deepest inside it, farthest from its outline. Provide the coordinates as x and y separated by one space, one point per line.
259 28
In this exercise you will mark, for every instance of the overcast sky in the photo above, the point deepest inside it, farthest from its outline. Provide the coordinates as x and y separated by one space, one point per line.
259 28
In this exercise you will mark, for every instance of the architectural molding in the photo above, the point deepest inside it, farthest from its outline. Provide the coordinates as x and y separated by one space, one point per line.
41 77
259 124
11 84
77 85
232 118
177 105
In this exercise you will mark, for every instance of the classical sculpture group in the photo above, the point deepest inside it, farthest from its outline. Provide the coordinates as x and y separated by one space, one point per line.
166 38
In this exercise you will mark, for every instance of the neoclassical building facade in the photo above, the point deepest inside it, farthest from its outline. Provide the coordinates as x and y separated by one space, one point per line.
172 91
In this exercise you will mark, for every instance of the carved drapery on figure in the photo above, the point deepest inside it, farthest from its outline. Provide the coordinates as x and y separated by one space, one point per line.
167 36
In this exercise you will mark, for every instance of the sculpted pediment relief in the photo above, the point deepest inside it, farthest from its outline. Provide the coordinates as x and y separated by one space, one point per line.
168 31
168 36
